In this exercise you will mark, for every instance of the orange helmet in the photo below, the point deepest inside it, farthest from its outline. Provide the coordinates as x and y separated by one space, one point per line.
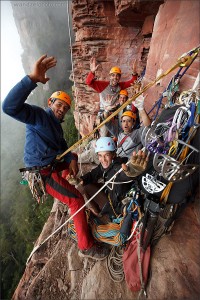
124 92
129 113
61 96
115 70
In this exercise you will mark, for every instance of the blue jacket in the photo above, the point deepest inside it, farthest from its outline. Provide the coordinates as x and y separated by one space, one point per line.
44 134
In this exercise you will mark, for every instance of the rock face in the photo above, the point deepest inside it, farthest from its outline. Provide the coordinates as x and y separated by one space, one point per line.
56 271
172 36
175 261
116 32
99 33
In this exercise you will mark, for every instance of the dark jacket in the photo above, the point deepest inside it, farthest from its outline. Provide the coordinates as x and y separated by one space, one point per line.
117 191
44 134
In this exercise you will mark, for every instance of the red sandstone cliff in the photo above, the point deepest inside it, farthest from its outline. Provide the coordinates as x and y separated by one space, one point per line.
116 32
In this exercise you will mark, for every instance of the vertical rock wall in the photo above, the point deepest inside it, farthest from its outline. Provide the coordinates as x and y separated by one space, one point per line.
99 33
117 32
176 31
175 262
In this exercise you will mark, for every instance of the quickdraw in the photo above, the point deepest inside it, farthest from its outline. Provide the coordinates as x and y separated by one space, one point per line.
35 183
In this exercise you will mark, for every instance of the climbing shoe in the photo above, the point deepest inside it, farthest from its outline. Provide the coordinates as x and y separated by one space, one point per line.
95 252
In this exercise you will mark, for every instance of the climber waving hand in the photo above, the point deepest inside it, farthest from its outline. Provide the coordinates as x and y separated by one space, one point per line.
44 142
109 88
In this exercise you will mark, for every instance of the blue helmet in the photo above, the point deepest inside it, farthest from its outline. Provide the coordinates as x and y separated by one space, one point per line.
105 144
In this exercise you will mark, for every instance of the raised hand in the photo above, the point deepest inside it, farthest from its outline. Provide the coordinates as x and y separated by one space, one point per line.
93 65
42 65
137 164
134 66
139 102
109 99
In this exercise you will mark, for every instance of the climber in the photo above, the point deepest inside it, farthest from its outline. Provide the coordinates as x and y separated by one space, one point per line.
128 138
108 90
122 98
109 165
44 141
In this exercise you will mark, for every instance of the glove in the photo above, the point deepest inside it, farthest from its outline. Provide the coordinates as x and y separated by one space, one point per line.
137 165
139 102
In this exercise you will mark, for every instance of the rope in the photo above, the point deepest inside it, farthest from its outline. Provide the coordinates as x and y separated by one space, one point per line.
70 218
142 290
165 193
115 264
80 141
174 78
110 201
150 84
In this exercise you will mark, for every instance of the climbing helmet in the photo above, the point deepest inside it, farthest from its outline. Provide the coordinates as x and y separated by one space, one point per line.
105 144
115 70
61 96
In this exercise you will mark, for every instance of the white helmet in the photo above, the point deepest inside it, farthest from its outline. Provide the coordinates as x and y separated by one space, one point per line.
105 144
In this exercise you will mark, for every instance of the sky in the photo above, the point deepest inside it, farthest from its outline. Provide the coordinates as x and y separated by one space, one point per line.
11 50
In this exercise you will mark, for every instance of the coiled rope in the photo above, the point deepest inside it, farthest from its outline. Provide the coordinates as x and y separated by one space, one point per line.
115 264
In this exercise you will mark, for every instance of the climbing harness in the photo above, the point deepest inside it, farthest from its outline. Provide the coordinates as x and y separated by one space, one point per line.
72 216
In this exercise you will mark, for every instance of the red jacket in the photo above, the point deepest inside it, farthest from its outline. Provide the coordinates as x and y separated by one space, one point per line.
104 88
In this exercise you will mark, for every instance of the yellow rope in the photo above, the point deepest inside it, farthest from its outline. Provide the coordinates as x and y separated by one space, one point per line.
165 193
182 61
110 201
